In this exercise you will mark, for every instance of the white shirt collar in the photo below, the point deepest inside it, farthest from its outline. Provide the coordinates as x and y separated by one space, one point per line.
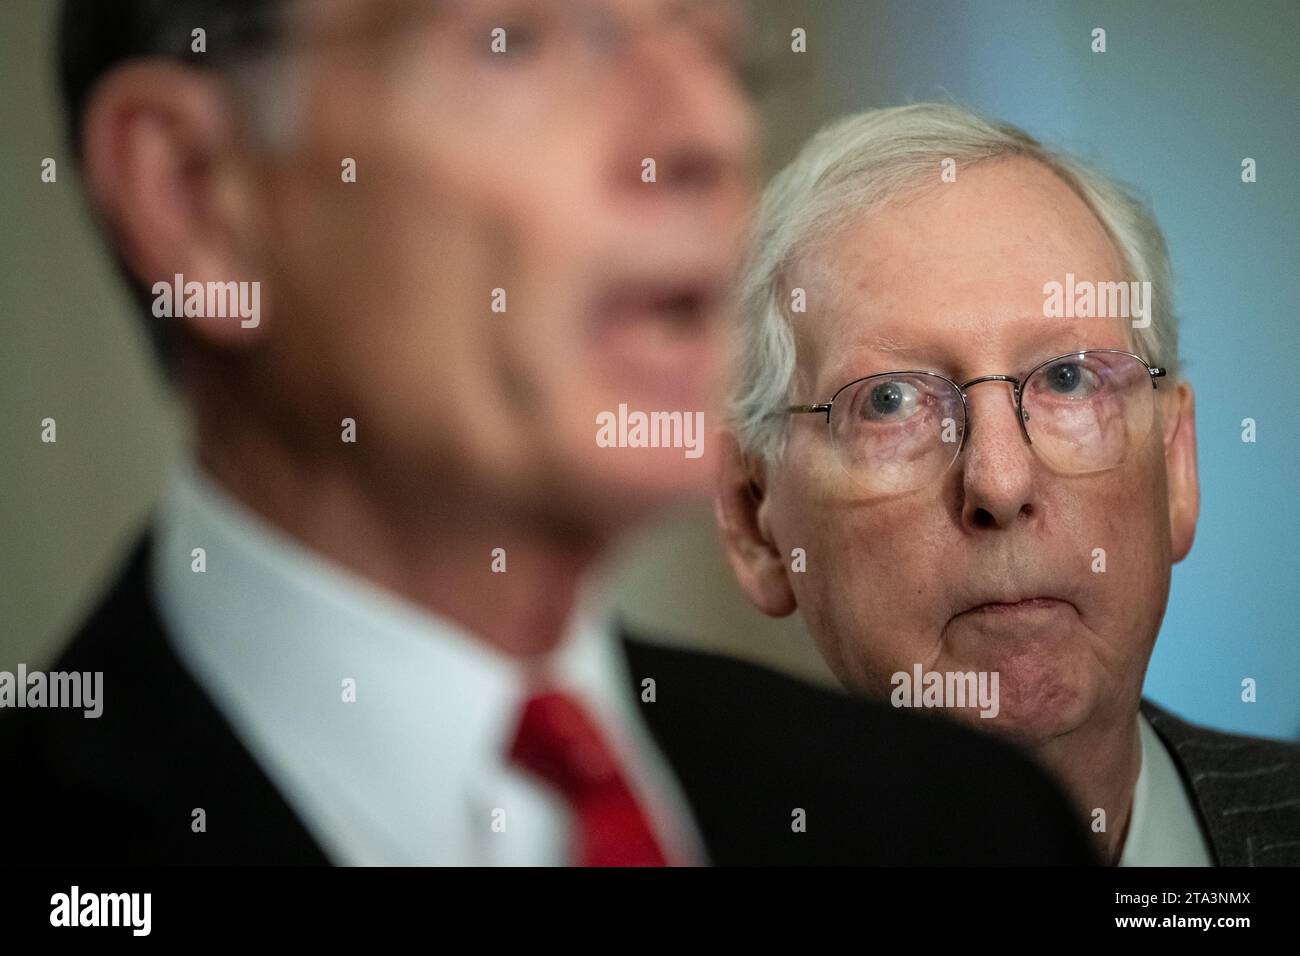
1163 829
412 771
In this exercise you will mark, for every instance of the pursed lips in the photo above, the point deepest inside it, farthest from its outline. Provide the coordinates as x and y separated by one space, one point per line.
1018 605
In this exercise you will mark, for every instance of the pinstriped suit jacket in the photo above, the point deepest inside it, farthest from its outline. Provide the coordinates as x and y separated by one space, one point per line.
1246 789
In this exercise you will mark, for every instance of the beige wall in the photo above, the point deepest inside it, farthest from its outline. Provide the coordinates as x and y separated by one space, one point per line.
70 352
73 351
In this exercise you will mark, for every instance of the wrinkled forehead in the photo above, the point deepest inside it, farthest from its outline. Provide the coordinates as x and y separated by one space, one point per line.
956 273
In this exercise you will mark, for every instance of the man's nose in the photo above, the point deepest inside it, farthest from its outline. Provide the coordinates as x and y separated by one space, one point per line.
691 118
998 465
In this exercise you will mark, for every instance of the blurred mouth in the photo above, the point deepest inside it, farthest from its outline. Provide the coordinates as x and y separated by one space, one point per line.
659 332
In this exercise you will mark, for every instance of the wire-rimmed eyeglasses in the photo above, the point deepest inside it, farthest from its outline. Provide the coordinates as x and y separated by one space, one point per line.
1082 412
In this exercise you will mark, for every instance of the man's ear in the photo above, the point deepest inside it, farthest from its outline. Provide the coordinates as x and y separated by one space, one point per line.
158 148
738 506
1180 467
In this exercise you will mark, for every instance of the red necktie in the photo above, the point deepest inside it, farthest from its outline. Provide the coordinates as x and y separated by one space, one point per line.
558 742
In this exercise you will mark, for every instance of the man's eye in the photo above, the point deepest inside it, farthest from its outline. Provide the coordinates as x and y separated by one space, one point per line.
1071 378
890 401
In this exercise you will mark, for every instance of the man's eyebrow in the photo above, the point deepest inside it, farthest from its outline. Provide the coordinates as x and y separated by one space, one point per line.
851 365
1054 342
934 357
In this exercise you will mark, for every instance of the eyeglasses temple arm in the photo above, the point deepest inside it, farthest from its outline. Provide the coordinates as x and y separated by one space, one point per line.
810 409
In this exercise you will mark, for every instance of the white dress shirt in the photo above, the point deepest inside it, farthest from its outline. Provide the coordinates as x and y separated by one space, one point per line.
1164 829
412 772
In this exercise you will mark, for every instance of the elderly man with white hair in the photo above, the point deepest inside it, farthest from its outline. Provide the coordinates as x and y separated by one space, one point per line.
962 448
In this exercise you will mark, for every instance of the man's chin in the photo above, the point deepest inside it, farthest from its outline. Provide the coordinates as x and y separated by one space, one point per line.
1043 688
1030 720
1025 702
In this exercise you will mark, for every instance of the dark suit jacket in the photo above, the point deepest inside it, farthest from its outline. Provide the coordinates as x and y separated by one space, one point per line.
748 746
1246 790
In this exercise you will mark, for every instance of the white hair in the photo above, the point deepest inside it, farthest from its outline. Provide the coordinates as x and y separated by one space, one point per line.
861 162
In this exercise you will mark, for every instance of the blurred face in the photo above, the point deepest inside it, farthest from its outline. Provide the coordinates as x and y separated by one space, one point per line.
501 272
991 567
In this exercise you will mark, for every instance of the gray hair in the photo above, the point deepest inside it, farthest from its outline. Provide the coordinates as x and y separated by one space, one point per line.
863 161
